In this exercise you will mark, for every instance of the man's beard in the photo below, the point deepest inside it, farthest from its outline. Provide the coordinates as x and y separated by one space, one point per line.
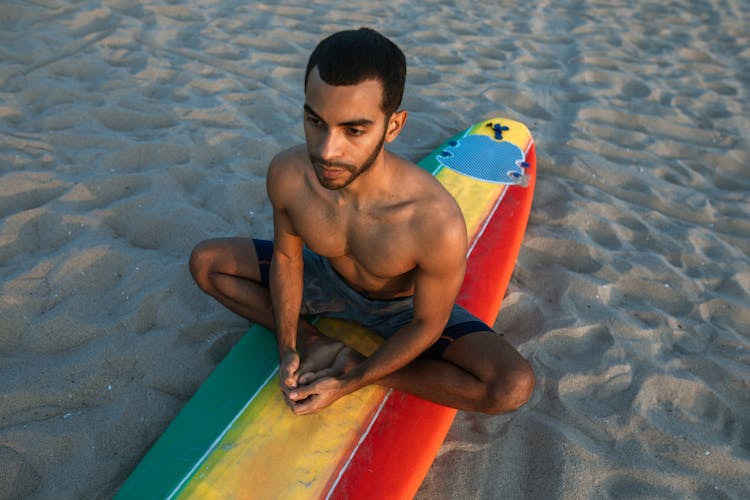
352 169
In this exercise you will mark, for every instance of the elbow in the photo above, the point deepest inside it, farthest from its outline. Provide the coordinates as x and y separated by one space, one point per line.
285 263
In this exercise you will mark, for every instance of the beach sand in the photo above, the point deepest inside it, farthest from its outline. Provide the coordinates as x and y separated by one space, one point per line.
129 131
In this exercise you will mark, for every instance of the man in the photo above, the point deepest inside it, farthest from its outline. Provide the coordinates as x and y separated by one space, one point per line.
364 235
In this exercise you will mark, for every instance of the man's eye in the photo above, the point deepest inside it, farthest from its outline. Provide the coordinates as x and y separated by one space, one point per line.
356 131
314 121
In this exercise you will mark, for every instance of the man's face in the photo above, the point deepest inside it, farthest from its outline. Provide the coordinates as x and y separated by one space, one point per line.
345 128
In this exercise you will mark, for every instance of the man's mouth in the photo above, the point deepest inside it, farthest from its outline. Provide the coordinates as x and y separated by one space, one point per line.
330 172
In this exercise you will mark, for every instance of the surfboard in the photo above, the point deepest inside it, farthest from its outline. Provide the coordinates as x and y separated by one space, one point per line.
237 439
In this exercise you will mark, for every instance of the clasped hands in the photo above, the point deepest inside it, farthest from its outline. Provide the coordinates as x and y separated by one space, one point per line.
307 392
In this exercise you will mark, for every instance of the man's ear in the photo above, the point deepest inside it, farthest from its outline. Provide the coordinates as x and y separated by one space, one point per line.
396 124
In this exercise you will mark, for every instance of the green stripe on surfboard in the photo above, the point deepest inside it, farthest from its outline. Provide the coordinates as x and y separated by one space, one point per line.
182 447
430 162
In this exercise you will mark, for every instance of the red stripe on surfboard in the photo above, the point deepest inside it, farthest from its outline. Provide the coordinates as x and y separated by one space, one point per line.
394 457
492 261
383 470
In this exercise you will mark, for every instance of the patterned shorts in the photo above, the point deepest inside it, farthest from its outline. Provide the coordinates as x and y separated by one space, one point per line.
326 294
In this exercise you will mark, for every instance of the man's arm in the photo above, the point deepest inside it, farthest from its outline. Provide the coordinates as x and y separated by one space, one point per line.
286 275
434 295
438 278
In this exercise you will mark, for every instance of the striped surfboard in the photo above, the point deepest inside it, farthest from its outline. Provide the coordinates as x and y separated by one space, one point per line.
236 438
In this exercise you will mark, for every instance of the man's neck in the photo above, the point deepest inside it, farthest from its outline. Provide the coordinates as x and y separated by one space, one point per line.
369 186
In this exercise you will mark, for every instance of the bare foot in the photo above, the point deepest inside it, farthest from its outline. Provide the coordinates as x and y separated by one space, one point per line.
319 363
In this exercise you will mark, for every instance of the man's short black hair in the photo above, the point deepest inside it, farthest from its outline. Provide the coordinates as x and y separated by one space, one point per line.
351 57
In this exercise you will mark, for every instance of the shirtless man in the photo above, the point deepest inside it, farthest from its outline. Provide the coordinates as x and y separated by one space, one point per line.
364 235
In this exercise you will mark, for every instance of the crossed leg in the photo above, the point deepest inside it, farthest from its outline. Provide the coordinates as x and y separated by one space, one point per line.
227 269
478 372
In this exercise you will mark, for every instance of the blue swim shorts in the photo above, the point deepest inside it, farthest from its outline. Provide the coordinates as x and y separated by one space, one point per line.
326 294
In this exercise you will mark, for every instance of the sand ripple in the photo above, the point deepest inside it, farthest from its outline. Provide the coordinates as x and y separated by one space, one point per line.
130 131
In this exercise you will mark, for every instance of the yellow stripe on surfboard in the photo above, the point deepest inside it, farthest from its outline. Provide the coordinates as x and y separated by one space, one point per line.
476 197
517 132
267 445
238 470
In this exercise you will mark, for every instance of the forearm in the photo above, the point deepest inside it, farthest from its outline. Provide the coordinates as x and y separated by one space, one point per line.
396 352
286 297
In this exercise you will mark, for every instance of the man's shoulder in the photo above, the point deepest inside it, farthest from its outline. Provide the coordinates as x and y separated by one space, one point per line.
415 181
293 158
284 172
436 211
427 191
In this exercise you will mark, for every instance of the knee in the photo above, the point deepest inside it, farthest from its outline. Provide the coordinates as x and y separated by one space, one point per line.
511 390
200 263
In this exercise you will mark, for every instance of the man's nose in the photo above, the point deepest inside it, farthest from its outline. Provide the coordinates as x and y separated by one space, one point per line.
331 146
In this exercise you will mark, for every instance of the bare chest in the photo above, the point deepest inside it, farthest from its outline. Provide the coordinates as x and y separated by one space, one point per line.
373 251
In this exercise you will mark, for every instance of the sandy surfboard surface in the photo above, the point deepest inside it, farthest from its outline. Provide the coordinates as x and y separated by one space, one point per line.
128 132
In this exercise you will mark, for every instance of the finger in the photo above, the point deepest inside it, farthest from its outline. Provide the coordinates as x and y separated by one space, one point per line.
288 401
287 382
303 392
295 395
290 370
304 366
310 377
306 378
305 407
